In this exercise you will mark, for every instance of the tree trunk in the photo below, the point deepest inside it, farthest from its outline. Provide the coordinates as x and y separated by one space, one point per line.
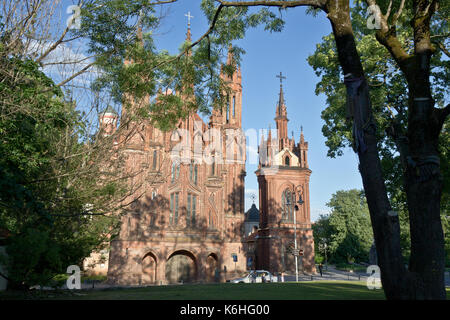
385 223
422 178
423 186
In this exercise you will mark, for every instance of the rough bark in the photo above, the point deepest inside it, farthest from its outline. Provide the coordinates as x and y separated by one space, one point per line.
385 223
423 185
422 178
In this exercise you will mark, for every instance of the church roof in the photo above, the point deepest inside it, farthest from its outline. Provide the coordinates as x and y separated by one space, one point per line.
252 214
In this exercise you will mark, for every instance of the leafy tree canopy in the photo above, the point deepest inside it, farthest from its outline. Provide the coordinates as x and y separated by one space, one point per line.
347 230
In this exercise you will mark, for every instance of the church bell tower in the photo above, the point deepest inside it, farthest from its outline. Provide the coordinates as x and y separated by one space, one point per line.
283 179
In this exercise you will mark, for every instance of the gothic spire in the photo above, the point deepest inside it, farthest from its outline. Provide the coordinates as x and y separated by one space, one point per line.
281 117
188 34
281 107
230 55
139 28
302 138
281 99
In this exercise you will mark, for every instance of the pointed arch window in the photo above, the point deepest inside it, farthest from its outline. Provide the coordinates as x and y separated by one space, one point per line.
173 218
193 173
287 161
287 205
234 106
175 171
228 109
211 222
213 167
191 210
155 159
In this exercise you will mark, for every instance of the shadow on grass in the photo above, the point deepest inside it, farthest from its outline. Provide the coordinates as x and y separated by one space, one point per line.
314 290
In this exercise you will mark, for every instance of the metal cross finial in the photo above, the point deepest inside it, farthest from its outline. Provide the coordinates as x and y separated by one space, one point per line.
253 197
188 15
281 78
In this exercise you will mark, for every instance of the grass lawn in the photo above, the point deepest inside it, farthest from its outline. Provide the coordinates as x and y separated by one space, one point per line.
314 290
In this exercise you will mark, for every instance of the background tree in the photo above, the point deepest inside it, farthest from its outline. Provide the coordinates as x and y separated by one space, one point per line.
322 234
418 146
347 228
62 189
113 42
388 92
44 187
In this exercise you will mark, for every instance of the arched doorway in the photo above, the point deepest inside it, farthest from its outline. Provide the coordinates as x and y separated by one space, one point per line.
149 263
211 266
181 267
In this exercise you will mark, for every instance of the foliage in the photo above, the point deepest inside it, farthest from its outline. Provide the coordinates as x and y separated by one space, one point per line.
61 187
347 229
47 177
41 204
389 98
121 31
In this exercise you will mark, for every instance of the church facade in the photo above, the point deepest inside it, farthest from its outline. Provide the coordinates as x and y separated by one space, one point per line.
185 221
283 179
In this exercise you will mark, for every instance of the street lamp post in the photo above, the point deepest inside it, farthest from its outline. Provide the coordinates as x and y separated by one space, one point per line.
295 243
300 202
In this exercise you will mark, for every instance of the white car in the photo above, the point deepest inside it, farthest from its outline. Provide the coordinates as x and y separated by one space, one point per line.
255 276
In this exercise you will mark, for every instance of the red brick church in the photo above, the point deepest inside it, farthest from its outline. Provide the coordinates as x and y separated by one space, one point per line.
185 221
283 179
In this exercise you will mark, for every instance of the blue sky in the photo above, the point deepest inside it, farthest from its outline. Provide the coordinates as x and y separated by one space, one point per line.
266 55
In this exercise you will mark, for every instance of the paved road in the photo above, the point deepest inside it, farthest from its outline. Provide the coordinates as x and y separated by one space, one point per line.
330 274
334 274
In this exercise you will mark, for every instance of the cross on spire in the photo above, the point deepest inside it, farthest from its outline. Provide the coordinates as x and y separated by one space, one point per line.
281 100
188 15
281 78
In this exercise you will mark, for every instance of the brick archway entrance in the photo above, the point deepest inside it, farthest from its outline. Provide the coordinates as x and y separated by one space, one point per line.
149 267
212 264
181 267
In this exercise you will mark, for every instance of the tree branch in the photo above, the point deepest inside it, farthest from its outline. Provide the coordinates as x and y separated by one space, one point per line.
68 62
387 35
398 13
3 276
268 3
206 34
75 74
388 12
443 48
53 46
283 4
